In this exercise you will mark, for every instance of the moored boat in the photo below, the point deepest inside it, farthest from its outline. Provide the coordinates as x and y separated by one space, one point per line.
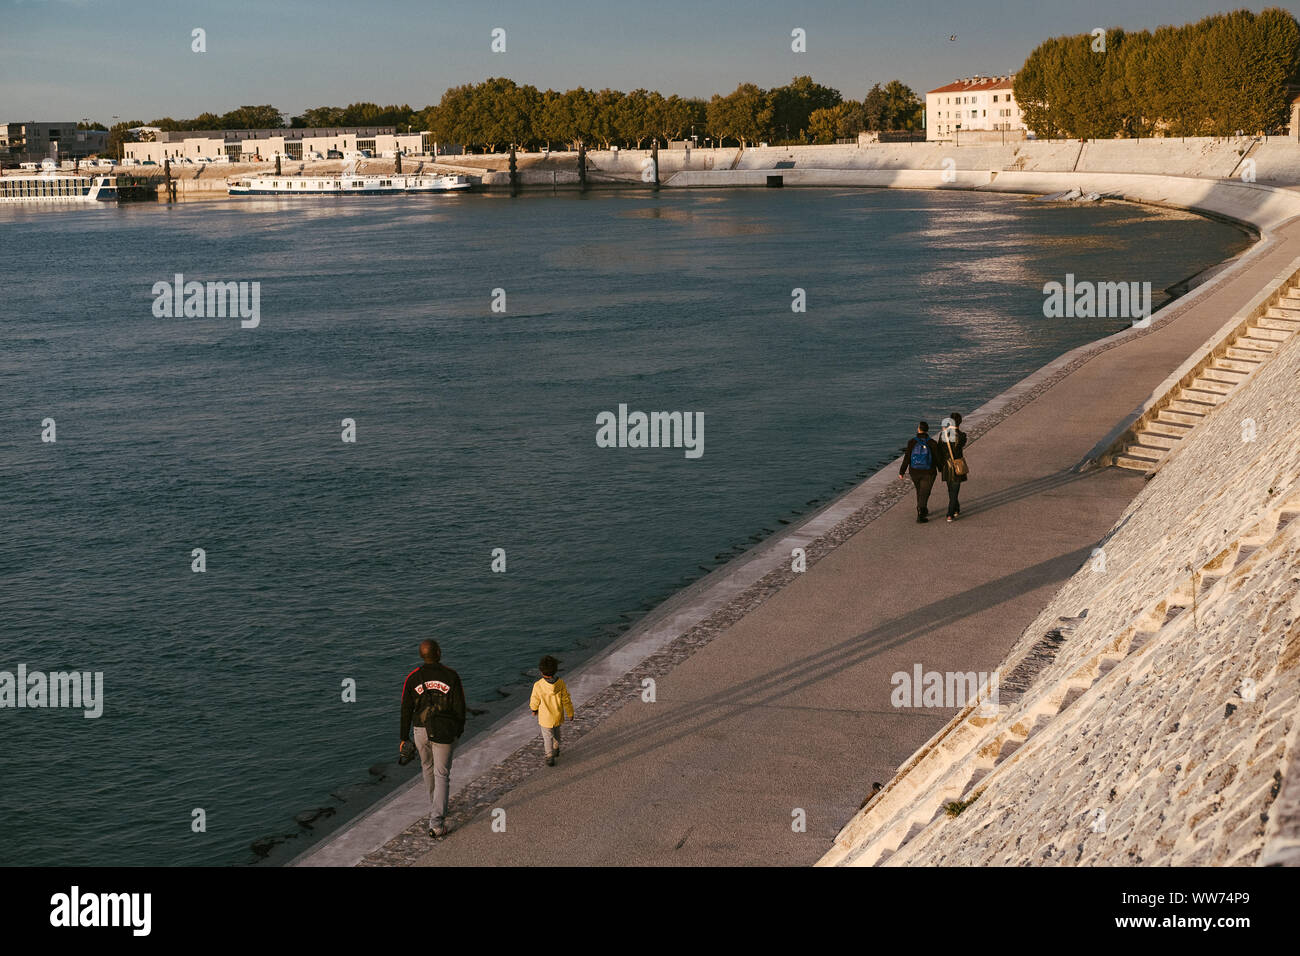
344 185
55 187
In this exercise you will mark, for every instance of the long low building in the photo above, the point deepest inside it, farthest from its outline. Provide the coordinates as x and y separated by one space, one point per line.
252 145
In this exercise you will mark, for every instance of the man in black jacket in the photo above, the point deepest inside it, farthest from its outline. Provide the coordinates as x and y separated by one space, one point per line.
920 460
434 700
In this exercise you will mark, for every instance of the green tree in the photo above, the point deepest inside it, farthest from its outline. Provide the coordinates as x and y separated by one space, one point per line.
793 104
744 115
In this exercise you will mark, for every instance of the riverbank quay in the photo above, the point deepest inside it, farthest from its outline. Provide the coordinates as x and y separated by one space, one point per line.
1150 715
783 680
1031 166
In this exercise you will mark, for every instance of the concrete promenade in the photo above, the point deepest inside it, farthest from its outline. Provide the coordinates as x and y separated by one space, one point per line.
789 709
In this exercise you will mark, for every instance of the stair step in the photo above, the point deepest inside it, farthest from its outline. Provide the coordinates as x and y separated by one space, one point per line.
1289 301
1204 384
1225 375
1150 453
1196 409
1244 366
1283 321
1180 418
1134 464
1259 344
1258 331
1198 395
1245 354
1153 439
1166 428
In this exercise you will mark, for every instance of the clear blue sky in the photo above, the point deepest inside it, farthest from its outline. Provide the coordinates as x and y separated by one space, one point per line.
68 59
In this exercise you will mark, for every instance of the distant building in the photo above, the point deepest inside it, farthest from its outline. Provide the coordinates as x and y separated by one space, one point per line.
32 141
981 104
247 145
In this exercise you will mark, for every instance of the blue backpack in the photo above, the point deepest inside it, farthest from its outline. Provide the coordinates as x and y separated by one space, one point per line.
921 458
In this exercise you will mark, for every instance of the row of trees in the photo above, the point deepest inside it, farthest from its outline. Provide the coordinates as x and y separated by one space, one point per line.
499 112
1228 72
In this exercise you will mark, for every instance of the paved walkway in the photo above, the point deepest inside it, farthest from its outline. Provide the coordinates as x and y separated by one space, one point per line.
789 710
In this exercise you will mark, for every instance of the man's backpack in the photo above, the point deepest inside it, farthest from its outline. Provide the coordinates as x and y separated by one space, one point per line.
921 458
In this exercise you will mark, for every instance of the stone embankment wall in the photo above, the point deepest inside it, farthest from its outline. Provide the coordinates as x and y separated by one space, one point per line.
1032 166
1148 715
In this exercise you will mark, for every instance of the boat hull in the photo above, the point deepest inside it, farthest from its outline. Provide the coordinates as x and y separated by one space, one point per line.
345 186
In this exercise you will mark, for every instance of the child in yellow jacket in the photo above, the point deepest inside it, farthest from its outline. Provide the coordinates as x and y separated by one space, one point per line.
550 703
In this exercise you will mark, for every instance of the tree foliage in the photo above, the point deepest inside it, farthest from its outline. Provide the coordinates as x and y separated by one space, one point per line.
499 112
1228 72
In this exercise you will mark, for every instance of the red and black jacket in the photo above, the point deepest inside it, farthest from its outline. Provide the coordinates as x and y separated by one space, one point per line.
434 699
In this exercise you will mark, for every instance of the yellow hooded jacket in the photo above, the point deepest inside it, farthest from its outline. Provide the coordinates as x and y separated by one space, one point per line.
551 701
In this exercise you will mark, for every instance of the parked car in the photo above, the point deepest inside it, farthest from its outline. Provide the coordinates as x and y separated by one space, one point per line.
104 163
220 159
49 164
29 167
147 162
334 154
128 162
313 155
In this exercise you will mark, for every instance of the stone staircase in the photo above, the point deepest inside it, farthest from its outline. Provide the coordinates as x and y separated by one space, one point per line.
1157 437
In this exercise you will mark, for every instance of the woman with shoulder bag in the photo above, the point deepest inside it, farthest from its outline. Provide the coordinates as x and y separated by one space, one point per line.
952 455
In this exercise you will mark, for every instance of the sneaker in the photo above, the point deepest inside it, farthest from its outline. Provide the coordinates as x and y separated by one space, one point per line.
550 761
920 520
438 832
950 519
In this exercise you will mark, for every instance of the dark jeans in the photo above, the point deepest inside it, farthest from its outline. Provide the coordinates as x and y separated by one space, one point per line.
924 481
954 488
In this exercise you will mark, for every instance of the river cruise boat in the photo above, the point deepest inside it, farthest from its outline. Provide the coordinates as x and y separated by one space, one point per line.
57 188
344 185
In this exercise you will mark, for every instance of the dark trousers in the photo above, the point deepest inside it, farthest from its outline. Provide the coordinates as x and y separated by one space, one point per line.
954 488
924 481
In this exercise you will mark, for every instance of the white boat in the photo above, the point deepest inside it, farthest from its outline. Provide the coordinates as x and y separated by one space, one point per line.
57 187
344 185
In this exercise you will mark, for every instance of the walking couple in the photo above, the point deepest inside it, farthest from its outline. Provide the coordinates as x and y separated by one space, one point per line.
925 459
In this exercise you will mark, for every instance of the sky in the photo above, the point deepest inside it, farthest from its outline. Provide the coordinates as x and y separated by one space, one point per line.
133 59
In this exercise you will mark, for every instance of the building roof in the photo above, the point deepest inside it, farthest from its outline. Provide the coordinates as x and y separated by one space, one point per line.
290 132
977 84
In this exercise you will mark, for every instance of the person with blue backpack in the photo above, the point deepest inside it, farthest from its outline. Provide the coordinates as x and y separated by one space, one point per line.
920 460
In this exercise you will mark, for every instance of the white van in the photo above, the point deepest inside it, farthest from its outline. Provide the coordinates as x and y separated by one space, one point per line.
104 163
29 167
49 164
358 154
128 161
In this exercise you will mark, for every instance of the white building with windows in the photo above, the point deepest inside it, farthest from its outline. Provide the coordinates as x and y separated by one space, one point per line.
249 145
977 104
